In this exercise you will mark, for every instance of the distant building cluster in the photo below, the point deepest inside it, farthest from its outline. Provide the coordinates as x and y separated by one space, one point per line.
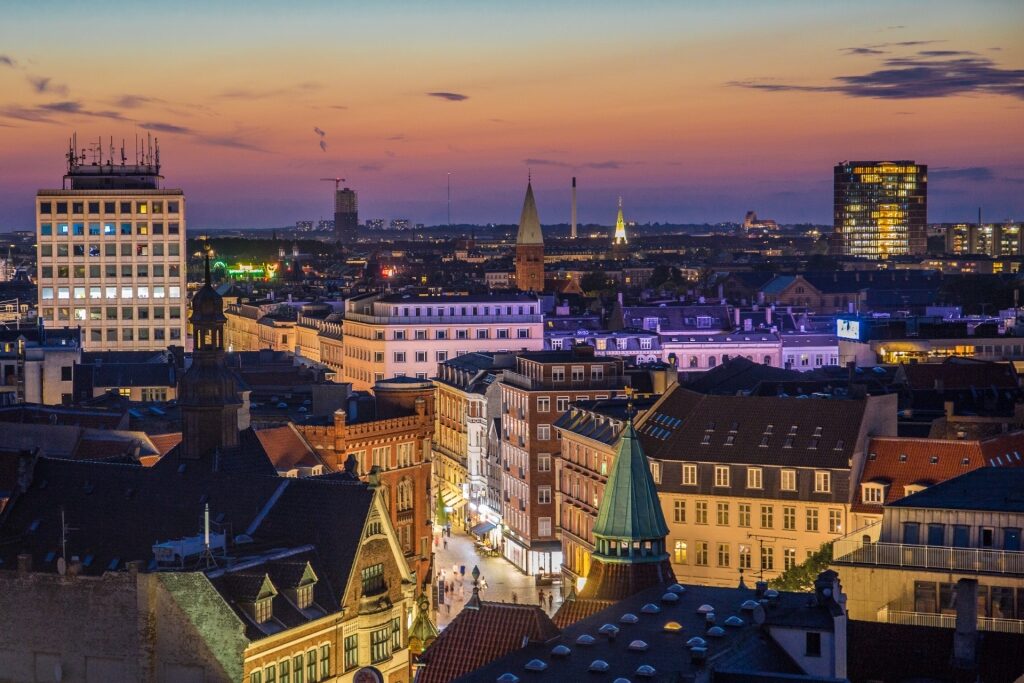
748 452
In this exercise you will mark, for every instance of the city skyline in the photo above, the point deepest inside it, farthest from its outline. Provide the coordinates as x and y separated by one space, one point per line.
691 114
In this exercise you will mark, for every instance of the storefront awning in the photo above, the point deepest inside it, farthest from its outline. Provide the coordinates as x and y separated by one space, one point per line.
452 500
482 528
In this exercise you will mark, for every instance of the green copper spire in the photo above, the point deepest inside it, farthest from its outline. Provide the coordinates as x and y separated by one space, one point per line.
630 511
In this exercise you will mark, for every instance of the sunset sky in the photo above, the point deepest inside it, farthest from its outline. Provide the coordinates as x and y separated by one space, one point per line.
692 111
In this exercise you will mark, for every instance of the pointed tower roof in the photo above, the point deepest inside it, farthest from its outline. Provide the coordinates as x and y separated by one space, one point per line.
629 509
620 226
529 222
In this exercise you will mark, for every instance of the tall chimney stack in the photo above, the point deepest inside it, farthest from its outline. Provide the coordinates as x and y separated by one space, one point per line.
572 231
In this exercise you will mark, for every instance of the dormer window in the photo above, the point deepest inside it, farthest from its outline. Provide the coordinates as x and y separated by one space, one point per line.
304 596
263 610
911 489
873 493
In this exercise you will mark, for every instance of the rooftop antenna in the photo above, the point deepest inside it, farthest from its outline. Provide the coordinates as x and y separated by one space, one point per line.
449 200
124 157
64 531
110 159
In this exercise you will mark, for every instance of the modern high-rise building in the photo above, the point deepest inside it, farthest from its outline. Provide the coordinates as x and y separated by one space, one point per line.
346 215
111 252
881 208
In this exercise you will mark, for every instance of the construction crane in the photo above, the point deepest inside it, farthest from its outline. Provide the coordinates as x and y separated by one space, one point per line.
337 182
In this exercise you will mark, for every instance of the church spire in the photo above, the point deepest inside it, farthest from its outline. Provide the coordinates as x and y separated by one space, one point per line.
620 227
529 246
529 222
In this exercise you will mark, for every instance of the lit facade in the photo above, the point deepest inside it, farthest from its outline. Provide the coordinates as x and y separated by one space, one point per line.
751 486
533 397
408 335
994 239
111 256
881 209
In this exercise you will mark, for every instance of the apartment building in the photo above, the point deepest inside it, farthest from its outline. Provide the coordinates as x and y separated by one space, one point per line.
468 398
752 485
259 325
111 254
318 337
533 397
408 334
951 546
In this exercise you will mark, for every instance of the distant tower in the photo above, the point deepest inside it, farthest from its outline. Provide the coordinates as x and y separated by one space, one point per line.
207 393
529 247
346 215
619 242
572 231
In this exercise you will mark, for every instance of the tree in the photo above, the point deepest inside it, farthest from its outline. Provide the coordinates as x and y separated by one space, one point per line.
594 281
801 577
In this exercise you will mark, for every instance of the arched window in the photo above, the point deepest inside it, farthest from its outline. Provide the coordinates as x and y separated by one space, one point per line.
404 495
693 361
711 361
767 360
385 495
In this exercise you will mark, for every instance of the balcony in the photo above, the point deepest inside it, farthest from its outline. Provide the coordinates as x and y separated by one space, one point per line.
520 380
898 613
856 551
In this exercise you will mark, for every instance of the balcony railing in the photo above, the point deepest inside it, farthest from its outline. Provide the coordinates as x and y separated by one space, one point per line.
849 550
531 383
890 615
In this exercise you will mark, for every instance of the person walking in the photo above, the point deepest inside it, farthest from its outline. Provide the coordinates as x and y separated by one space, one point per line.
446 544
515 599
540 597
551 601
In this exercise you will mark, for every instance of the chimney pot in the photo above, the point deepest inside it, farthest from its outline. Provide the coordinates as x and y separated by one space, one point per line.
24 563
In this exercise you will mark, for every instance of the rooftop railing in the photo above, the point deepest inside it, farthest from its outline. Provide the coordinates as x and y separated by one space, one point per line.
523 382
856 551
899 614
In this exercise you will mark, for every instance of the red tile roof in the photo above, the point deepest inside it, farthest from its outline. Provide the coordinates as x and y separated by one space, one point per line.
575 609
165 442
477 637
286 448
901 462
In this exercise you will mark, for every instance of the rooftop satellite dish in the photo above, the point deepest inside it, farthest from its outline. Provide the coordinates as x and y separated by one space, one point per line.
62 566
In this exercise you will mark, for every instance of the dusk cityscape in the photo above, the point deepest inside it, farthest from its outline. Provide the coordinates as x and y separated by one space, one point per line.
465 342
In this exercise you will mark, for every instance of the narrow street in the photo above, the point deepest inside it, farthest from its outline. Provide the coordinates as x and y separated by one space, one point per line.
502 578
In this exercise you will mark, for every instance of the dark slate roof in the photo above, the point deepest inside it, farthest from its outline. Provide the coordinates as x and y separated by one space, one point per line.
959 373
600 420
29 413
990 489
747 647
133 375
677 317
676 429
118 512
902 653
738 375
412 298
